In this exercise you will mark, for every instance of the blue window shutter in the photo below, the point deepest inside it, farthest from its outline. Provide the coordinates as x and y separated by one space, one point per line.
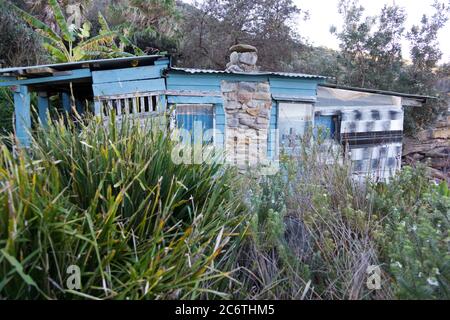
326 124
188 115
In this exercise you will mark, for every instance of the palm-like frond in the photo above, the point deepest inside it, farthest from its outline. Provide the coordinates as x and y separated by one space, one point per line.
104 27
127 42
63 46
61 21
58 54
99 40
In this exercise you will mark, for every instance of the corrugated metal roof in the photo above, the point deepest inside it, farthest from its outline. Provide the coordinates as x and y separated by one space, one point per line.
100 63
259 73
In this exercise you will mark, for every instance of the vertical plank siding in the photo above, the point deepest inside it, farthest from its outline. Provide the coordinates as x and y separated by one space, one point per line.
22 114
43 104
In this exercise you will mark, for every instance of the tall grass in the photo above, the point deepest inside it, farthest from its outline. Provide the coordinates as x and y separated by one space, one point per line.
312 235
109 200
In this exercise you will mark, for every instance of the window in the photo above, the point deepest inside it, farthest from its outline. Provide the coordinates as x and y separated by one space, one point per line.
327 126
138 105
197 120
295 119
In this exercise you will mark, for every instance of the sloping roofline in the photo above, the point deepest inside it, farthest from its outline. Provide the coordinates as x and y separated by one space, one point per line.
259 73
94 64
383 92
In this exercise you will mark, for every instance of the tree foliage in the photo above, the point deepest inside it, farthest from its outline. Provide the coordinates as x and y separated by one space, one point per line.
72 43
215 25
153 25
371 55
200 34
370 46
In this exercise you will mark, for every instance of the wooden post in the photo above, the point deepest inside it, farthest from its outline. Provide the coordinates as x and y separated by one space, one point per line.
65 100
22 115
80 106
162 105
97 107
43 108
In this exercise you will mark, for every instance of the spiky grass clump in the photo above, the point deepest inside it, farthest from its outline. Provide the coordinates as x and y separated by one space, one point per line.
110 200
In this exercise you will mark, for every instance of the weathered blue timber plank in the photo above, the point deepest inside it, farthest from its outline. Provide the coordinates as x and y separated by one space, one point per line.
271 137
219 137
293 89
220 119
42 104
192 86
293 83
193 80
273 116
194 99
162 61
182 79
64 76
293 92
162 103
127 74
22 115
65 101
125 87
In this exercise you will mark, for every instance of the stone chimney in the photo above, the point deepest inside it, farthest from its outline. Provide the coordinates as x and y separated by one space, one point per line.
243 58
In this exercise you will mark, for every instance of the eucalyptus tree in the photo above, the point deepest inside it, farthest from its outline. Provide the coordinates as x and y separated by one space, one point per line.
370 45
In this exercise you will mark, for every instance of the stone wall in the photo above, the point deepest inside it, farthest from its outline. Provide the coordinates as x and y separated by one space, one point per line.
247 110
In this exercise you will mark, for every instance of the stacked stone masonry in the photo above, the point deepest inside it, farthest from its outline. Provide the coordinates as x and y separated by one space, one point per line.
247 108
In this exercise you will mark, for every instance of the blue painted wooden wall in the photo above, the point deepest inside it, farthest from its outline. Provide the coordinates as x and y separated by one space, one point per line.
182 87
128 80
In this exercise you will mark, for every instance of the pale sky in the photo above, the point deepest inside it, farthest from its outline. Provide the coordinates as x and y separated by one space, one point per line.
323 14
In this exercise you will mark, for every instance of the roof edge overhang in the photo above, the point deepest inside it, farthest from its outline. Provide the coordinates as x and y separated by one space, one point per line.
253 74
99 64
421 98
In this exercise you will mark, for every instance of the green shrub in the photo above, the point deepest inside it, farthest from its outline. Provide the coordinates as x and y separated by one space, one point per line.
109 199
416 240
311 233
6 111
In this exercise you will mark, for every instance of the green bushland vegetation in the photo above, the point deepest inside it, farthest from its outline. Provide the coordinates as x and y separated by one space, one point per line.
199 34
109 199
315 231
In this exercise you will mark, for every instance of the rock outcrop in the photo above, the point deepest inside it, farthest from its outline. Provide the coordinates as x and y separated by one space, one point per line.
431 146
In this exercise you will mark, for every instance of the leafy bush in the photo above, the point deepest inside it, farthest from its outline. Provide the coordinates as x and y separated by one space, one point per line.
416 239
110 200
311 233
6 111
